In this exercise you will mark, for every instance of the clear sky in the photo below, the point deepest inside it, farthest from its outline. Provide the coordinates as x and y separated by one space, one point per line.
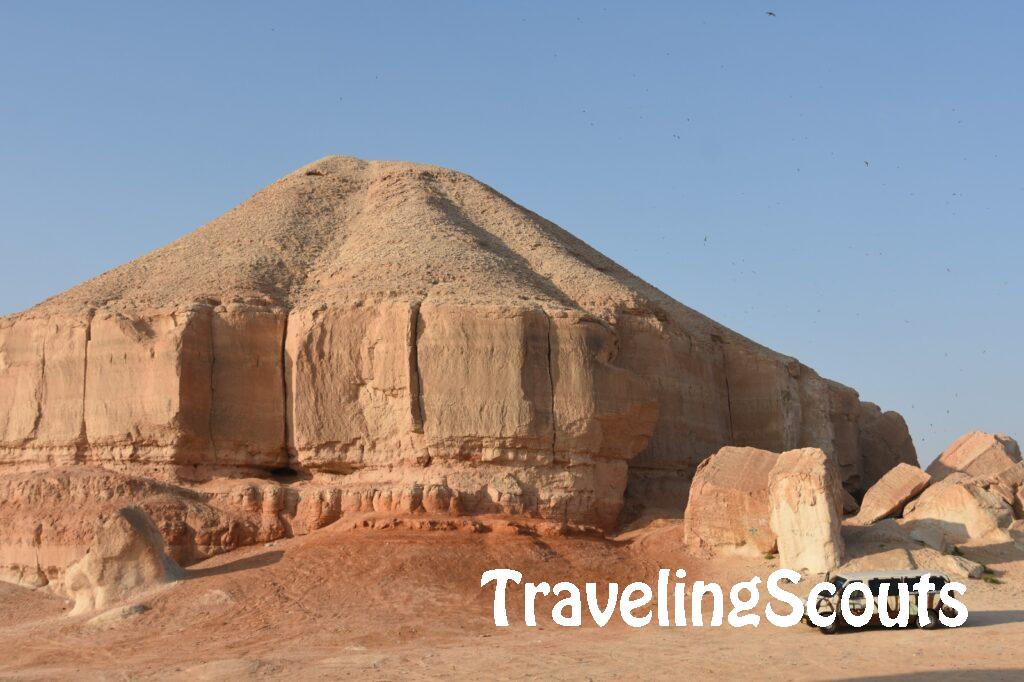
841 181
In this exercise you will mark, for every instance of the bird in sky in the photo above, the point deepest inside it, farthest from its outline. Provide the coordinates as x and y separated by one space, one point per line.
771 14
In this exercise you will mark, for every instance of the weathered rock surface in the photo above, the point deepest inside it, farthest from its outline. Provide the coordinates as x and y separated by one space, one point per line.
728 508
885 546
978 454
47 517
957 510
884 441
892 492
126 559
805 505
850 505
1016 530
1009 484
402 337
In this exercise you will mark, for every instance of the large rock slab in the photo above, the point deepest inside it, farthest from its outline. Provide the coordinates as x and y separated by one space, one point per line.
892 492
957 510
728 506
978 454
805 504
125 560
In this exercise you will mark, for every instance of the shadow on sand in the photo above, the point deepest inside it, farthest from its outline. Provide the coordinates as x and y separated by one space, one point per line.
950 675
976 619
981 619
256 561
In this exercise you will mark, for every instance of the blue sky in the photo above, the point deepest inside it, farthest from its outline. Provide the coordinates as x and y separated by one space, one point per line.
841 181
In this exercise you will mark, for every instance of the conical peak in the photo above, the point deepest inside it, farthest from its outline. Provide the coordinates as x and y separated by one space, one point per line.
343 230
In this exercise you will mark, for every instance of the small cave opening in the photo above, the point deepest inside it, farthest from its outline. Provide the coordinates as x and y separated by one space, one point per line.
284 474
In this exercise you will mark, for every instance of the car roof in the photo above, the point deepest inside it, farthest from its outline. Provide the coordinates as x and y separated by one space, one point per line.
891 575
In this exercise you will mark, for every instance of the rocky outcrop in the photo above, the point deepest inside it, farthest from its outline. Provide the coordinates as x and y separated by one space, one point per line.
978 454
47 517
957 510
805 505
728 508
125 560
402 338
892 492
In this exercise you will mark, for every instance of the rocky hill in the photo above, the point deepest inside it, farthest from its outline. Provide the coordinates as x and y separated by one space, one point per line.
402 338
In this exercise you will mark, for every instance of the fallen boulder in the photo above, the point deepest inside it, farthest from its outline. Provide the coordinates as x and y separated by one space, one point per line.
126 559
805 506
892 492
728 503
978 454
957 510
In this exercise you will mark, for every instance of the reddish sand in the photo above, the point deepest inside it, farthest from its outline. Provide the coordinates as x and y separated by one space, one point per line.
400 603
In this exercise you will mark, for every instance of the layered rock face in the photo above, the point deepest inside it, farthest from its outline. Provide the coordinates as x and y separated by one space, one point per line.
402 338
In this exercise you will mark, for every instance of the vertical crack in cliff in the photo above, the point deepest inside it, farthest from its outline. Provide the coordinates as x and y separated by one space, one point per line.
82 444
728 392
287 402
213 359
40 393
551 385
415 383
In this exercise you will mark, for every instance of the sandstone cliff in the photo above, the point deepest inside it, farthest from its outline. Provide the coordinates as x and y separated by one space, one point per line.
414 341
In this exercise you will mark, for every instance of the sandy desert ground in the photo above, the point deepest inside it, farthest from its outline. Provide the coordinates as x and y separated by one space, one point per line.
398 603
